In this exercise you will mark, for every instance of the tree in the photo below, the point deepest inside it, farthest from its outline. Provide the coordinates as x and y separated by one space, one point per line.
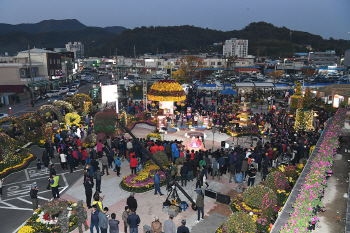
188 67
308 73
275 74
307 98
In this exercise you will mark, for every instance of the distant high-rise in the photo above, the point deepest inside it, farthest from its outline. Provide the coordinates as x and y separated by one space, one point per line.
235 47
77 48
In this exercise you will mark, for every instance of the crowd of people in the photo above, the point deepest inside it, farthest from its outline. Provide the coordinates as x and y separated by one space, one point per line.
280 139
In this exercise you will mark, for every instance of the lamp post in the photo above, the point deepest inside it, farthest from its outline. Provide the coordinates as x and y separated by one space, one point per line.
284 64
213 129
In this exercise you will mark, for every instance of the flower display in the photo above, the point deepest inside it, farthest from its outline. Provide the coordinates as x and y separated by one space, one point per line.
72 118
61 103
45 219
315 181
240 222
24 162
154 135
253 195
166 90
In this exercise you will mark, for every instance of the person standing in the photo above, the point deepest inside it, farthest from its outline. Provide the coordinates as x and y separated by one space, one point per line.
103 220
104 162
184 174
52 170
63 160
88 192
54 186
183 228
33 196
94 219
133 163
133 221
200 204
132 202
251 174
113 224
156 226
157 184
70 159
46 160
97 176
117 164
169 225
125 216
232 173
1 183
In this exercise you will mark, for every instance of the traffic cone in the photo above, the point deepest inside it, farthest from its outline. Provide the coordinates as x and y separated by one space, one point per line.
10 110
29 104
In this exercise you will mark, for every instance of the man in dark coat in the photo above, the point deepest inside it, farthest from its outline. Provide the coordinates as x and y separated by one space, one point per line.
131 201
88 192
70 159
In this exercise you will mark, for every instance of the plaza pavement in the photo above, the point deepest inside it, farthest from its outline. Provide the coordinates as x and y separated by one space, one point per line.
150 205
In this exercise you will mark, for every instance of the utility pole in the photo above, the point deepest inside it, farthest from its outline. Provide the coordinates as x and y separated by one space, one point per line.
30 74
134 52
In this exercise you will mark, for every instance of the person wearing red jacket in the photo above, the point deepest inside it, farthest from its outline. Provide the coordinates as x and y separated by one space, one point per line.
84 155
160 147
133 163
154 149
78 142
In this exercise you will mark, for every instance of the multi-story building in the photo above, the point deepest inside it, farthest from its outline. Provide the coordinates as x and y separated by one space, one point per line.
235 47
77 48
328 58
51 61
346 61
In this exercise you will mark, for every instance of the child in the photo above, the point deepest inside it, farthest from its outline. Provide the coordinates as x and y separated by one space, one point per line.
38 165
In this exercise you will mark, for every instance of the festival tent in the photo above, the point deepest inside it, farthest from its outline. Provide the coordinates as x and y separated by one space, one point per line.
229 91
208 87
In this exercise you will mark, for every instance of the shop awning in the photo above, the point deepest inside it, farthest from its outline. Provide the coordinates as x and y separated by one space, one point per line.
264 84
37 84
247 70
244 84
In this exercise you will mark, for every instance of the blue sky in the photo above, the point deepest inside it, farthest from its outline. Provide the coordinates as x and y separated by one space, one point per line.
328 18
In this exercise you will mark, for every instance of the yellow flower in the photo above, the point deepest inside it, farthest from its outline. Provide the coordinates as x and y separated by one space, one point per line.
38 220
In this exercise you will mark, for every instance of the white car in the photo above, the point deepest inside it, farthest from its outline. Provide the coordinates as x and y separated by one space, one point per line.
72 92
2 115
52 93
64 90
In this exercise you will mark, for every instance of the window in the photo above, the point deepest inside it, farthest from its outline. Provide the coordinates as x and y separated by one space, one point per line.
54 61
159 63
52 72
219 63
50 61
168 63
212 63
58 61
23 72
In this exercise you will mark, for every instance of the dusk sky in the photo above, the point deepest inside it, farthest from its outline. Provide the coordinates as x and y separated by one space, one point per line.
328 18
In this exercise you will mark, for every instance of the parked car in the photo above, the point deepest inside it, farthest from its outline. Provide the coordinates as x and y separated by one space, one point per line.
52 93
64 90
76 84
72 92
83 82
55 98
2 115
96 81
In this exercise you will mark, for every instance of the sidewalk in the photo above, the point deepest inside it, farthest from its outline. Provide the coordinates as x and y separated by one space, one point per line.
150 205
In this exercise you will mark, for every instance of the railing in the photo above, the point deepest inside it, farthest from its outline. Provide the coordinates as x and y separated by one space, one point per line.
288 206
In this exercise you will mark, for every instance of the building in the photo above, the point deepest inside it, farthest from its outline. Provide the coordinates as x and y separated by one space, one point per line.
15 80
328 58
346 61
51 61
77 48
235 47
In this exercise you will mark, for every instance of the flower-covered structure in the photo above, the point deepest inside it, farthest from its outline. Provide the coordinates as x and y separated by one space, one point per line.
166 90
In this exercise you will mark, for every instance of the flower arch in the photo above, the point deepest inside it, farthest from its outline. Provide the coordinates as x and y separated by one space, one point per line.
7 149
19 122
61 103
76 102
82 96
51 108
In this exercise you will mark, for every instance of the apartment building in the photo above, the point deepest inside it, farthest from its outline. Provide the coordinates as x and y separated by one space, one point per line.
77 48
235 47
328 58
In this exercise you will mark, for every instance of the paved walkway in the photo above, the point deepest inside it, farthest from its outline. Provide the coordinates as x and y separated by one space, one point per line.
149 206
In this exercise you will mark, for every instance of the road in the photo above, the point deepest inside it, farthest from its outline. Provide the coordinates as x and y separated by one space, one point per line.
15 203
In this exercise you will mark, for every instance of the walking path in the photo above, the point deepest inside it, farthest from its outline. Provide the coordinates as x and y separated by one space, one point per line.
149 206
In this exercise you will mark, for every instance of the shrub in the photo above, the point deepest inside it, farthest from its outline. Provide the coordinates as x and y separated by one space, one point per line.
269 202
276 181
161 157
240 222
141 116
253 195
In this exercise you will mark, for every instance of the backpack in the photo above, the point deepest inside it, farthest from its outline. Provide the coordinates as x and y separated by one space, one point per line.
239 178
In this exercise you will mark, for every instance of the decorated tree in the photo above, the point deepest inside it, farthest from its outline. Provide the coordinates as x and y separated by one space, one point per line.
307 98
296 97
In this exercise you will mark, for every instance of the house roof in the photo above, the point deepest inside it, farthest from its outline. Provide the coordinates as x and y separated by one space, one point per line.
35 50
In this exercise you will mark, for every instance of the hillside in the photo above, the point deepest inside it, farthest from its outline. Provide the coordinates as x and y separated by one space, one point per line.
264 38
91 37
43 26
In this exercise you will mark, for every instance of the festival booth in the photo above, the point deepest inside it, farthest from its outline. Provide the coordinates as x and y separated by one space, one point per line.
167 92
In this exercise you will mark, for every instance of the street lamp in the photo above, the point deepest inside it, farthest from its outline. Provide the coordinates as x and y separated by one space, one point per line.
284 64
213 129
